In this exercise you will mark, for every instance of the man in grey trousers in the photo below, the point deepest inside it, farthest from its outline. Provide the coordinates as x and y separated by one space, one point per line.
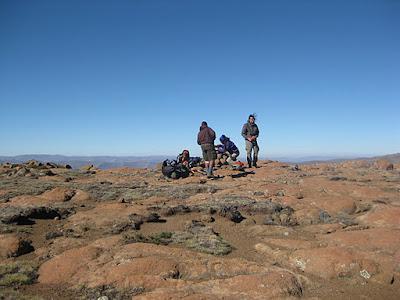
250 133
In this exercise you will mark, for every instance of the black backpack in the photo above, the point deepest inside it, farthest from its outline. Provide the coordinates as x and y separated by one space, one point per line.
173 169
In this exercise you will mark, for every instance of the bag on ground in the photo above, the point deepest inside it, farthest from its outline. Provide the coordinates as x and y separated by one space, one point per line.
173 169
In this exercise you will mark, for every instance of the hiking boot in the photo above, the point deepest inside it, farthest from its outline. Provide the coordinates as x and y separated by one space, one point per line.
255 162
249 162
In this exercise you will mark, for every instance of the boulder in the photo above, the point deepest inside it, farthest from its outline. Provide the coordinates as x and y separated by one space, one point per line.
58 194
12 246
332 262
382 216
383 164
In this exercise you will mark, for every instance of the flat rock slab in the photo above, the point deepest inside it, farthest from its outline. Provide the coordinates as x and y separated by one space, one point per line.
160 269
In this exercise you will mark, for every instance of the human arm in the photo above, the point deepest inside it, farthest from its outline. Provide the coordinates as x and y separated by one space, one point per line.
198 139
256 133
244 132
212 134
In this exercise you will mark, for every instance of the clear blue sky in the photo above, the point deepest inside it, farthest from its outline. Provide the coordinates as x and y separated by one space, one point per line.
138 77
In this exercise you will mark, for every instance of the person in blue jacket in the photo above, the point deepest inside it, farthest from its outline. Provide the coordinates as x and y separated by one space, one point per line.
229 148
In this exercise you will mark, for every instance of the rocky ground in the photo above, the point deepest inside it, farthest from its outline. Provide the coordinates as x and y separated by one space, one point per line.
324 231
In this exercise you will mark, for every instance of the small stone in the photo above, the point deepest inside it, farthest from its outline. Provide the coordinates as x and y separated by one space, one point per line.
295 168
53 235
207 219
47 173
212 210
22 172
364 273
57 218
301 264
102 298
153 218
280 193
258 193
231 213
324 217
286 233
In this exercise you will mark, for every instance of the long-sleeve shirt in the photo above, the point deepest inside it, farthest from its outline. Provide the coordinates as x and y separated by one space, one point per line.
250 130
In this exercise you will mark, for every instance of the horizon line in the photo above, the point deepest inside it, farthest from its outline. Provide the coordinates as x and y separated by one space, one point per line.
327 155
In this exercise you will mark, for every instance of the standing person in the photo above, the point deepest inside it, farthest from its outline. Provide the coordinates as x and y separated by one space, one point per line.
205 139
250 133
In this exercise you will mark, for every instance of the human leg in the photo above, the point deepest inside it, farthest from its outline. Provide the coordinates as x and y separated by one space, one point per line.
212 157
205 157
256 149
209 156
234 156
249 147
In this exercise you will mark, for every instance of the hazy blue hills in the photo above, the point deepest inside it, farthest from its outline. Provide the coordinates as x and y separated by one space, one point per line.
108 162
102 162
393 158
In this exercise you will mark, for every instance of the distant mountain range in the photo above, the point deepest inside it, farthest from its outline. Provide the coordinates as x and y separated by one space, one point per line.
393 158
102 162
108 162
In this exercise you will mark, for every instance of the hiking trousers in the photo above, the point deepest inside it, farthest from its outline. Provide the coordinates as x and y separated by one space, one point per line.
252 147
231 157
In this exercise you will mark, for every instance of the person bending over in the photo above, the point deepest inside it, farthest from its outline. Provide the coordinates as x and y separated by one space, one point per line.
229 148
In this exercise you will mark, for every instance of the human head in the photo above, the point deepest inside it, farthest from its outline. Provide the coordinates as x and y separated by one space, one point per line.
223 138
185 153
204 123
252 119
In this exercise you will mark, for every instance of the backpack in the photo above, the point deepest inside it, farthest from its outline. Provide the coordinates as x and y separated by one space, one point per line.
173 169
194 162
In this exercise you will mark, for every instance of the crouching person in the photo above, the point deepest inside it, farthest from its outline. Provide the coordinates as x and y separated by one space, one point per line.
229 148
205 139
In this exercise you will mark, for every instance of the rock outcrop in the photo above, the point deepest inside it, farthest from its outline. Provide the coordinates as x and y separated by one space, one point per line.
319 231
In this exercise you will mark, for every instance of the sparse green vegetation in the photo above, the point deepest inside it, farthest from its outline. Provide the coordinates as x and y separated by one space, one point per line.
208 244
15 294
17 273
205 241
108 291
162 238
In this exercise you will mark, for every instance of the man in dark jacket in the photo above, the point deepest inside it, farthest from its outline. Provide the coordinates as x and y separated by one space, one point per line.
229 148
205 139
250 133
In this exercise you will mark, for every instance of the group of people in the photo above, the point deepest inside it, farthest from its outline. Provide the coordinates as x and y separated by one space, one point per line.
206 138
